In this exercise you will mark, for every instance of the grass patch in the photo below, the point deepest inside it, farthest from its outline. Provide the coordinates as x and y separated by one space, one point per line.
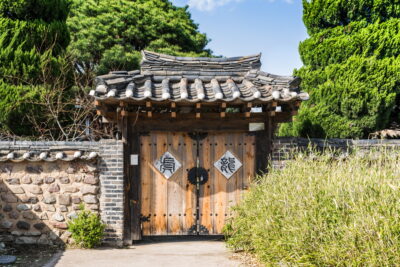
323 212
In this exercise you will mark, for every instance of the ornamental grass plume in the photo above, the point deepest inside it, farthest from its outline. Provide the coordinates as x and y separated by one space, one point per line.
320 211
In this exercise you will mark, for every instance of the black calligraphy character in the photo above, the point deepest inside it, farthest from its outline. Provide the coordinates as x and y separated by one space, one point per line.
231 164
167 164
224 164
228 165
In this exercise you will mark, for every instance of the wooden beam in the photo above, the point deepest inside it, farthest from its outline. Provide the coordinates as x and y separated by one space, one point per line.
248 109
122 104
97 103
198 107
223 110
173 110
274 104
124 113
148 109
272 113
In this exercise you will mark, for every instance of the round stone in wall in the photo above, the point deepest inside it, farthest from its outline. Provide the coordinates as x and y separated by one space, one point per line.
49 180
7 259
23 225
58 217
26 180
53 188
64 180
90 199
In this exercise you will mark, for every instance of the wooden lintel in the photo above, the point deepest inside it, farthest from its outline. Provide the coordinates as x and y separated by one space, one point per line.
272 113
122 104
274 104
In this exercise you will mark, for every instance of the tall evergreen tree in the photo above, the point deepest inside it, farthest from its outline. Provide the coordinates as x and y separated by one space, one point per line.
351 68
33 33
109 34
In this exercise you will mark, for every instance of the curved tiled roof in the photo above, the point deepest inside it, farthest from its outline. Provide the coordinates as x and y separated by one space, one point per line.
50 156
188 79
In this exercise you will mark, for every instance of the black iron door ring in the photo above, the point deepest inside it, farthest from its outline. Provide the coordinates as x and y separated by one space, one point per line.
200 172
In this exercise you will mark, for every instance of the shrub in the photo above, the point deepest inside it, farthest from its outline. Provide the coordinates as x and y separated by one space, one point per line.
351 69
87 229
323 212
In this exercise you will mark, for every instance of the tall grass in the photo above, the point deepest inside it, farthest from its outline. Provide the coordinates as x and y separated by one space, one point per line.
323 212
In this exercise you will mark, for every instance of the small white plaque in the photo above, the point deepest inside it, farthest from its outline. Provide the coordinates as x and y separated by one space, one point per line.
256 126
256 110
134 159
167 165
228 164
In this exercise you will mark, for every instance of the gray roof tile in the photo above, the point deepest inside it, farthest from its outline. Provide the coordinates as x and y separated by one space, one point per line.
169 78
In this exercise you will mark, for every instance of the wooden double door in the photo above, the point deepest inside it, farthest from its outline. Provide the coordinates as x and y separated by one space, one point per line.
184 185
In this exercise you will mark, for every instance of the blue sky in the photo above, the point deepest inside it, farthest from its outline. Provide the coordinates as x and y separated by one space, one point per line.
244 27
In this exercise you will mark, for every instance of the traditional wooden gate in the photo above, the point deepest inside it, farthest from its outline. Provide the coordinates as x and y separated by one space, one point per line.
197 198
155 108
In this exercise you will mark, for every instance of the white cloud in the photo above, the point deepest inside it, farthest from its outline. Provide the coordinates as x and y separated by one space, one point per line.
208 5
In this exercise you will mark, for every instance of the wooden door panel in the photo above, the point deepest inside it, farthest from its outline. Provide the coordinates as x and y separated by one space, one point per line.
206 155
168 204
181 194
159 190
145 182
219 194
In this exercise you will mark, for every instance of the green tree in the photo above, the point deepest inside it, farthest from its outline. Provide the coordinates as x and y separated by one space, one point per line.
109 34
33 33
351 68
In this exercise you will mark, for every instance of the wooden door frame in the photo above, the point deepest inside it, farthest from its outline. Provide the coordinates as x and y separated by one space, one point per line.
131 136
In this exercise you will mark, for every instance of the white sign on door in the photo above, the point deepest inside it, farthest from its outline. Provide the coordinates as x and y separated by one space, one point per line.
228 164
167 164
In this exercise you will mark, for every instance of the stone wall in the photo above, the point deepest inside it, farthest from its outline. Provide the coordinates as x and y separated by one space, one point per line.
42 185
283 148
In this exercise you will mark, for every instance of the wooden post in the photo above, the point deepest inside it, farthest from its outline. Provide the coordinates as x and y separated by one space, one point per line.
127 184
134 192
263 147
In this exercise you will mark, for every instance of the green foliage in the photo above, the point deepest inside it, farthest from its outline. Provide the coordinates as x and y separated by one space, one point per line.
351 71
324 14
108 34
87 229
336 45
351 99
33 35
320 212
47 10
